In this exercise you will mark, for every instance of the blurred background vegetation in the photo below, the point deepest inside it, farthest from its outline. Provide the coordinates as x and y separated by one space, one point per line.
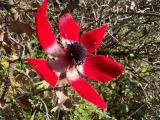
133 39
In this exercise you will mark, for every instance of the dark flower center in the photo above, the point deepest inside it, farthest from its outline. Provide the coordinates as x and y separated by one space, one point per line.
76 52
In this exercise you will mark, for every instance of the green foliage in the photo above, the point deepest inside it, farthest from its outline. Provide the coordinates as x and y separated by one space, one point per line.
35 50
41 85
86 111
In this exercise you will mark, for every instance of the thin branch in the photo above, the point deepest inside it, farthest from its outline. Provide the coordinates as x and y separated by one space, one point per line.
45 106
129 117
137 14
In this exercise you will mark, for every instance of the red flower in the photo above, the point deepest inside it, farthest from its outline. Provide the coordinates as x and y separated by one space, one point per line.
73 56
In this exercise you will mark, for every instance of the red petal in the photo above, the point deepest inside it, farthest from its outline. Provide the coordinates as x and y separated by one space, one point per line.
59 65
92 39
42 68
101 68
56 50
69 29
84 89
44 31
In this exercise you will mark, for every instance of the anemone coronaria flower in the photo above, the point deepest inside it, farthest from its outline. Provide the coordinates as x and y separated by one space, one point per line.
73 56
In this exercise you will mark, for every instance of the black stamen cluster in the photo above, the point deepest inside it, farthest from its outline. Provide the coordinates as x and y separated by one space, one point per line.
76 52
